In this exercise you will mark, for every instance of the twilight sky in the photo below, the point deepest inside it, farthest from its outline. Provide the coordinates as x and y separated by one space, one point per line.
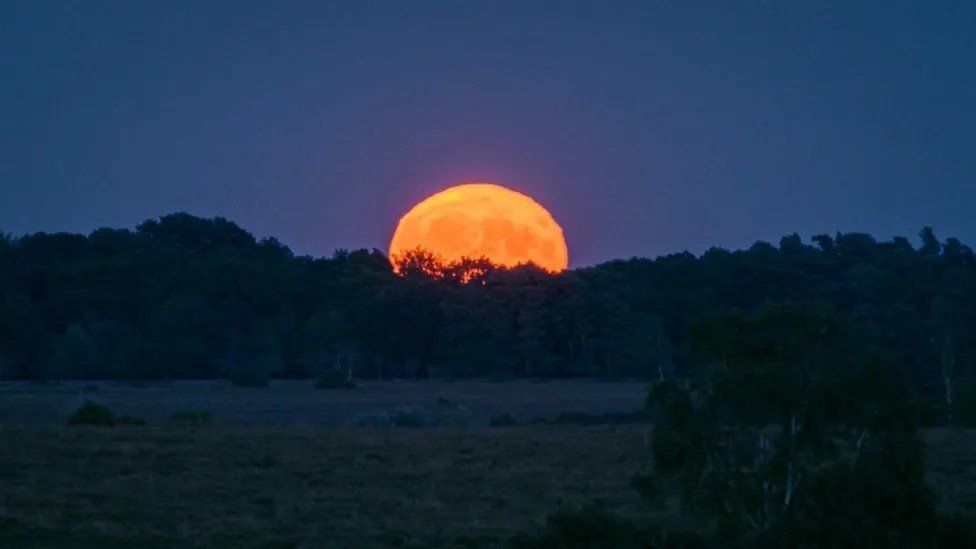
645 128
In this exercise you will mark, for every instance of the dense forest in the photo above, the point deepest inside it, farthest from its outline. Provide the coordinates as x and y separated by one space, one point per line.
185 297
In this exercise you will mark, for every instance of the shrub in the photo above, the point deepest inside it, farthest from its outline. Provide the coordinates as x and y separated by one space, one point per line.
92 413
334 379
251 362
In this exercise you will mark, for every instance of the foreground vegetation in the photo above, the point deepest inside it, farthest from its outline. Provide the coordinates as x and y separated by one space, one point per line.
299 402
209 485
218 486
791 432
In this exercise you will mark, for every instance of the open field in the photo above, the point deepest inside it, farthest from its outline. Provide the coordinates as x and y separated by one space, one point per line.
244 481
306 487
287 402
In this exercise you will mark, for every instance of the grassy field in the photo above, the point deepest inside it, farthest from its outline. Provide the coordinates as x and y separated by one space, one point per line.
256 486
235 482
286 402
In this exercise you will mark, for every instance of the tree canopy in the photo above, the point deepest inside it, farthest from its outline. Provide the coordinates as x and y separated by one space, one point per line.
186 297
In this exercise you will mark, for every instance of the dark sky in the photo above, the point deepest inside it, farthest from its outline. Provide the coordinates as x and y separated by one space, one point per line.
644 128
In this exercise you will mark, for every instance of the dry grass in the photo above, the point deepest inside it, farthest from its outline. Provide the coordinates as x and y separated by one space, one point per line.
951 468
276 468
216 486
297 402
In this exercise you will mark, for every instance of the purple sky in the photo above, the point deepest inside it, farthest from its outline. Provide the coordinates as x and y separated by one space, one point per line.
644 128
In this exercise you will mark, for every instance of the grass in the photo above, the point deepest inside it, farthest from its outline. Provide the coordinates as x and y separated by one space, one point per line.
260 487
334 380
291 402
187 417
249 378
280 467
212 486
951 468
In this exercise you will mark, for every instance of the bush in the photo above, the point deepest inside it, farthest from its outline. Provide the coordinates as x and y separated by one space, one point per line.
251 362
92 413
334 379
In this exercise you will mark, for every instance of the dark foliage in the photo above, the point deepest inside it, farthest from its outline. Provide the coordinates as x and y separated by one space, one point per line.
184 297
92 413
790 433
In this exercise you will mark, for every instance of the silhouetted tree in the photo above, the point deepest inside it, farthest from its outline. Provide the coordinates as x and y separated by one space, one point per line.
793 436
170 298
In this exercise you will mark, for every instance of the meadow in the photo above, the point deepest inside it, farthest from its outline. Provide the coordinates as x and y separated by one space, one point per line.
308 476
297 402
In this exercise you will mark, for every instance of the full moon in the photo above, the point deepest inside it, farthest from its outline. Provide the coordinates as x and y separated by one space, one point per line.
483 220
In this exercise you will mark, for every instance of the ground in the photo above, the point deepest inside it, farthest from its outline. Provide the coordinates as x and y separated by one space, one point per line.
462 403
303 476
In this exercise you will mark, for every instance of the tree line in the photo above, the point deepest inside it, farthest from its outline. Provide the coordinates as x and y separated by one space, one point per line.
187 297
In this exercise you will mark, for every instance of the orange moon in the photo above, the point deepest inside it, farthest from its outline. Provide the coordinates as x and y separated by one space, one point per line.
483 220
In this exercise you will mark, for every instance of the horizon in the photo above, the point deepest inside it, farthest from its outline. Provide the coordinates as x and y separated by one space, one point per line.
805 239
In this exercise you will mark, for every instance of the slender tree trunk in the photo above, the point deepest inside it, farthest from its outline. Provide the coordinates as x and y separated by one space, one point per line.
857 448
791 478
660 363
789 486
948 367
